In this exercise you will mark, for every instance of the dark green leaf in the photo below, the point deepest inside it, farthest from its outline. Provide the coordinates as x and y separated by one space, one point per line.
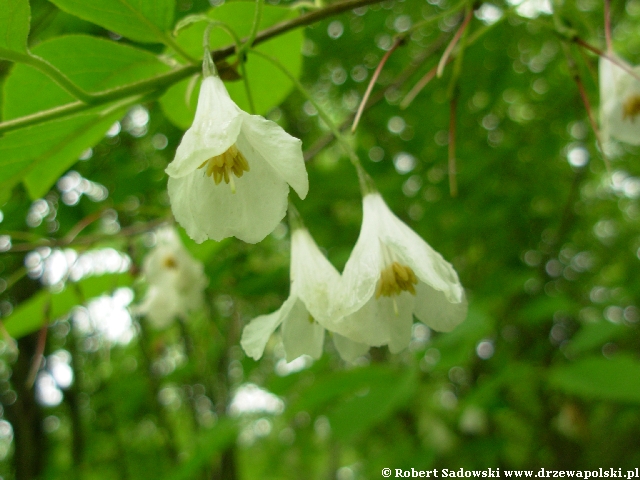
616 379
14 25
140 20
30 316
268 85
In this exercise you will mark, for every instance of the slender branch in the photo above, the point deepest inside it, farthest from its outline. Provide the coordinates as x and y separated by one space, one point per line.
399 41
161 82
418 87
400 80
323 115
575 75
611 57
38 355
607 25
89 239
454 42
257 18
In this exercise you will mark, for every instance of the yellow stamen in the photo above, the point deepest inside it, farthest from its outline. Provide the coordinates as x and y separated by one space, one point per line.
631 108
395 279
225 166
169 262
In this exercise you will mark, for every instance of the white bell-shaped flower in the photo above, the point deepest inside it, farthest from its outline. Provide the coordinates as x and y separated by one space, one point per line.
619 102
230 173
176 281
306 311
392 275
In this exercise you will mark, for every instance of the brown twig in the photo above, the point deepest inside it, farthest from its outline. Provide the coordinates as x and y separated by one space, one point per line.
373 80
607 25
161 82
612 58
42 342
592 121
418 87
453 43
89 239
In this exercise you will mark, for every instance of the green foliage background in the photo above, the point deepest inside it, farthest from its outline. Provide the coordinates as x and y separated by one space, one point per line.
546 249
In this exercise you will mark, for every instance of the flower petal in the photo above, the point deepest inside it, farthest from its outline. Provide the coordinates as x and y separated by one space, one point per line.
215 128
412 250
369 324
348 349
362 271
619 103
207 210
398 310
275 146
301 335
312 275
436 311
256 334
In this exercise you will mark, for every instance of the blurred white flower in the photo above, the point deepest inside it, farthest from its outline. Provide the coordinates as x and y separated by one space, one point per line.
391 275
256 159
619 103
176 281
307 310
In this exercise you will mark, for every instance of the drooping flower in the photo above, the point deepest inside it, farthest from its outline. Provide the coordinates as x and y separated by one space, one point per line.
619 102
305 313
392 275
230 173
176 281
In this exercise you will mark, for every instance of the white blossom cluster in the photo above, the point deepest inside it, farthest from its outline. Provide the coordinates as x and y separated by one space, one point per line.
231 176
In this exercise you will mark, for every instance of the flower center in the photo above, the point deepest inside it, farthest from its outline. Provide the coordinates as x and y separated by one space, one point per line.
631 108
225 166
395 277
169 262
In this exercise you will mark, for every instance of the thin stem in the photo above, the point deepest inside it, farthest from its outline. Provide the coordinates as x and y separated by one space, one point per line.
436 17
575 75
257 18
208 66
417 88
170 42
355 160
52 72
161 82
397 83
241 61
454 42
592 121
607 25
609 56
38 355
457 65
89 239
372 82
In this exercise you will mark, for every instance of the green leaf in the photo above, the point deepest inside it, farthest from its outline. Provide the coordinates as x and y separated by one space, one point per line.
616 379
41 153
14 25
94 64
269 86
594 335
30 315
336 385
362 411
140 20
